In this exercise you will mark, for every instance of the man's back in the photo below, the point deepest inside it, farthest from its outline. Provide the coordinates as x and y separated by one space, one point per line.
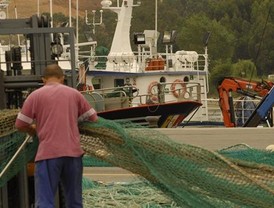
52 112
55 109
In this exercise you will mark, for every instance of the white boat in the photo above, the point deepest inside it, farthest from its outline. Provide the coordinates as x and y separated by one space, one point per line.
158 78
159 89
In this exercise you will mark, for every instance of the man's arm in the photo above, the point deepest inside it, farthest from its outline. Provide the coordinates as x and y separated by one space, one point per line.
90 115
86 111
25 118
30 129
25 127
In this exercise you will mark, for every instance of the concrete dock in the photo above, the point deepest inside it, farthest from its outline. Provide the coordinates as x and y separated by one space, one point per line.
219 138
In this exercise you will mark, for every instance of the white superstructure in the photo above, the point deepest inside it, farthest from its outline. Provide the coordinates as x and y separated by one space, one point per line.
147 67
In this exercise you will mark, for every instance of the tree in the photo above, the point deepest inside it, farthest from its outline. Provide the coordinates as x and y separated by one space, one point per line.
221 43
261 43
244 69
221 70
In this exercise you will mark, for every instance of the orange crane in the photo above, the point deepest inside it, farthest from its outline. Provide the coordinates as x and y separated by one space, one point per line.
244 87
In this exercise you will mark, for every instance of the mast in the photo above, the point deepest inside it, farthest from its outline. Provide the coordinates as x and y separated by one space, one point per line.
156 24
51 12
121 39
121 56
38 7
70 13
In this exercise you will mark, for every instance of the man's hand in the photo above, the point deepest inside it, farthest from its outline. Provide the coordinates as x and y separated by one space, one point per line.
31 129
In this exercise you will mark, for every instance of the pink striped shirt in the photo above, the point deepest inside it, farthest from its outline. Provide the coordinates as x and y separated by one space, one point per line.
56 110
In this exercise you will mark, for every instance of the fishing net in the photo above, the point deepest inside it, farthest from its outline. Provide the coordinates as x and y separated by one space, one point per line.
7 119
10 142
138 194
189 175
183 175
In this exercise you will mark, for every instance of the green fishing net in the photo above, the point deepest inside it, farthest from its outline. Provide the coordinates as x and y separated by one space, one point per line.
180 175
10 142
189 175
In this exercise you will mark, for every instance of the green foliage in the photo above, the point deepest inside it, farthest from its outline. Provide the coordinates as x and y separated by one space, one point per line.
221 43
244 69
222 69
60 18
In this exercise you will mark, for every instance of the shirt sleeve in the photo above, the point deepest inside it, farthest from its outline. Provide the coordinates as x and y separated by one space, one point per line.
86 111
26 116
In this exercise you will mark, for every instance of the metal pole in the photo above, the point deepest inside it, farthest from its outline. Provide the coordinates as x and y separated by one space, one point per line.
23 188
69 13
156 23
51 15
2 91
51 18
4 202
77 33
38 7
16 17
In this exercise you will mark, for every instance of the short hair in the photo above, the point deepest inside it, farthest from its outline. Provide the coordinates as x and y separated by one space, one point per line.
53 70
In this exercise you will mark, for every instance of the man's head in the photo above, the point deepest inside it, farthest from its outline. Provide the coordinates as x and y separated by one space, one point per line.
53 73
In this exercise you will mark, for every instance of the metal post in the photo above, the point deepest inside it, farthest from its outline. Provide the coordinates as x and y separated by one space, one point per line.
4 197
2 91
23 188
156 24
69 13
38 7
73 61
77 34
51 12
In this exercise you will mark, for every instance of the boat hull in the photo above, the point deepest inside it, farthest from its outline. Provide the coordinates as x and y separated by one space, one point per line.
166 115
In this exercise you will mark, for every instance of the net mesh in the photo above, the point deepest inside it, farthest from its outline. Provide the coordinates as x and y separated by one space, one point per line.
10 141
135 194
189 176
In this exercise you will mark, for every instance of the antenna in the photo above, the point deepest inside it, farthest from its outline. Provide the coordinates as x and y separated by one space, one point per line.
94 23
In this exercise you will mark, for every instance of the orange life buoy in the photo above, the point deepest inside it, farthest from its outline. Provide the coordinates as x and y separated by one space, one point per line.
180 91
88 87
152 95
85 87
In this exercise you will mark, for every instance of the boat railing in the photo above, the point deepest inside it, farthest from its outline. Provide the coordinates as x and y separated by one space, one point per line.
159 93
242 107
128 96
145 63
109 98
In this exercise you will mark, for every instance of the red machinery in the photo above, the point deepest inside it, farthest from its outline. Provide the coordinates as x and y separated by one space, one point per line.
245 87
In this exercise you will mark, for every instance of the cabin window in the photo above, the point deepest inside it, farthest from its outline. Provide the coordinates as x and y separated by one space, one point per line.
96 83
119 82
186 79
162 79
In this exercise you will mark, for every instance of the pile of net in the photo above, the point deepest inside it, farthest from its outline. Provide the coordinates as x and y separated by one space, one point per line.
186 175
139 194
189 175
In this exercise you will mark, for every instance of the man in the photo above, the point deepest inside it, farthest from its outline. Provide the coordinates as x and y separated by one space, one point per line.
53 112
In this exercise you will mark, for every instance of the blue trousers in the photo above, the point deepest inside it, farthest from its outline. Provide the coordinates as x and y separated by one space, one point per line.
48 174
